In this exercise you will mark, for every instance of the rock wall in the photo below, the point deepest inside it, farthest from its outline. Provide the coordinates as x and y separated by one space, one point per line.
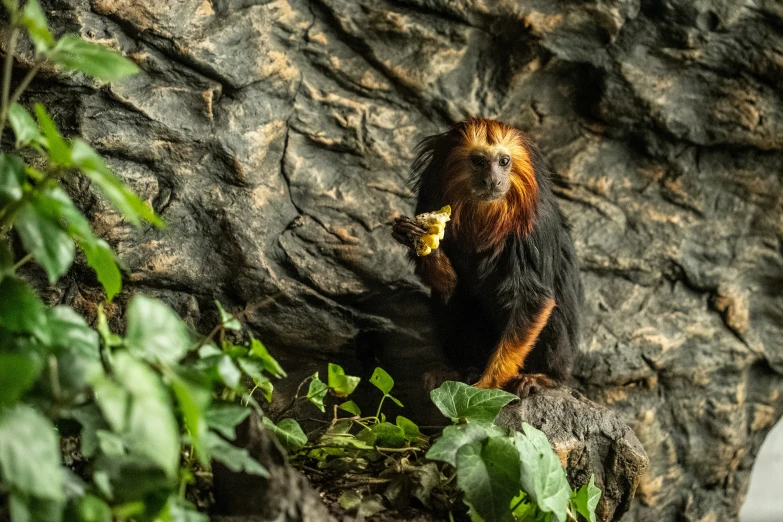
274 138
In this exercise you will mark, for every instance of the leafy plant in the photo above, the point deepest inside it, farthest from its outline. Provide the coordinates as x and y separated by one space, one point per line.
500 476
150 408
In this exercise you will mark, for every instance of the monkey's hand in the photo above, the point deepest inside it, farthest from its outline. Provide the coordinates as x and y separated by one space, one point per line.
422 233
407 231
526 384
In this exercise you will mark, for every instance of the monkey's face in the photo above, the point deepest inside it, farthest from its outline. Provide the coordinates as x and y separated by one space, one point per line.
490 170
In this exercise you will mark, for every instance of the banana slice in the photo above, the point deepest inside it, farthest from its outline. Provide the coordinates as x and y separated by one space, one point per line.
435 224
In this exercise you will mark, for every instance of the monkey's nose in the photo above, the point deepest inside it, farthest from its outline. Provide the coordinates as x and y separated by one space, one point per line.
491 183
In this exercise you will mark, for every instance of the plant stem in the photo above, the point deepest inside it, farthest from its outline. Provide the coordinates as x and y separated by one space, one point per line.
9 64
9 212
21 262
380 404
18 93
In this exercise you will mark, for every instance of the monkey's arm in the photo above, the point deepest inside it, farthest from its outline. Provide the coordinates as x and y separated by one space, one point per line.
434 270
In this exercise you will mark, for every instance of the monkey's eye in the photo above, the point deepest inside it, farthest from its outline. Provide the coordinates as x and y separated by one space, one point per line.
477 160
504 161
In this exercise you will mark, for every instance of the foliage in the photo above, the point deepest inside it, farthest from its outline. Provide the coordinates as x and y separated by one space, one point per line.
501 476
151 407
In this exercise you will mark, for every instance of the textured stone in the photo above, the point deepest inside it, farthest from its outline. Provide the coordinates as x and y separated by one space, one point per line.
274 138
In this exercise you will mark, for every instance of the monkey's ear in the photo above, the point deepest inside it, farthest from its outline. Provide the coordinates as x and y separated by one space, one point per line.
428 155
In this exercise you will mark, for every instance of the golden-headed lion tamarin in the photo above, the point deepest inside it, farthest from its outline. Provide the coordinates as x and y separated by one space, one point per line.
505 284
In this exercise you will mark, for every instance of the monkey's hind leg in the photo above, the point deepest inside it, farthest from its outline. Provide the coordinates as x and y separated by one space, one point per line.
509 357
526 384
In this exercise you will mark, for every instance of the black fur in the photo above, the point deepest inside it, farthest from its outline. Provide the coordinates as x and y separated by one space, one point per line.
500 292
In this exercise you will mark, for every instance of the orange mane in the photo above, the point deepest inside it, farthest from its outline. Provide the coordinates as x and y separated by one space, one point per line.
443 166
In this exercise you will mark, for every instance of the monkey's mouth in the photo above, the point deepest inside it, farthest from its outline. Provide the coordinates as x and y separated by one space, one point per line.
490 195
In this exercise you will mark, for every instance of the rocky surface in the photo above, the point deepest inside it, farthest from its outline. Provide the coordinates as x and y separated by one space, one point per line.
274 138
590 440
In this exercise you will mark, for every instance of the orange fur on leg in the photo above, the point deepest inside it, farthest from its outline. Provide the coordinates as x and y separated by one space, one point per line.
509 357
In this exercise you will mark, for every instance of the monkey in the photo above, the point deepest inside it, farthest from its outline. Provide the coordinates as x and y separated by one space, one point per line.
505 285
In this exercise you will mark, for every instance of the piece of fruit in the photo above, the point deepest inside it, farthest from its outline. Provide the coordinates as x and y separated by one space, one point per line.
435 225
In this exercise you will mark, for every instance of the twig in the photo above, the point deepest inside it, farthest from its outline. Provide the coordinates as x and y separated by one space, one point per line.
21 262
9 64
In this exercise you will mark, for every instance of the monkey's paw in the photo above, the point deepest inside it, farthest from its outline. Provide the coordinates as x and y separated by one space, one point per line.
406 231
526 384
422 233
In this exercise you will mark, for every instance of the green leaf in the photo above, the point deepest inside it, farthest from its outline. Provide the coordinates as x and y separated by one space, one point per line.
92 421
543 478
113 401
227 320
180 510
351 407
488 473
525 510
18 374
194 399
20 309
109 339
463 403
11 5
123 198
110 443
95 60
585 500
382 380
93 509
395 400
35 21
411 430
453 438
70 332
317 391
45 238
235 459
224 418
155 332
152 429
343 385
12 179
254 369
388 435
100 257
25 128
59 152
30 453
228 371
289 433
270 364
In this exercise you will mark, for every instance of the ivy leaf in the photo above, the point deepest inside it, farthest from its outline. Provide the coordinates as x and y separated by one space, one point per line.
585 500
96 60
155 332
19 373
453 438
235 459
35 22
100 257
543 478
25 128
254 370
382 380
388 435
226 319
351 407
11 179
45 238
463 403
123 198
152 429
224 418
289 433
228 371
342 385
270 364
317 391
488 473
21 311
193 400
30 453
180 510
59 152
93 509
70 332
411 430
